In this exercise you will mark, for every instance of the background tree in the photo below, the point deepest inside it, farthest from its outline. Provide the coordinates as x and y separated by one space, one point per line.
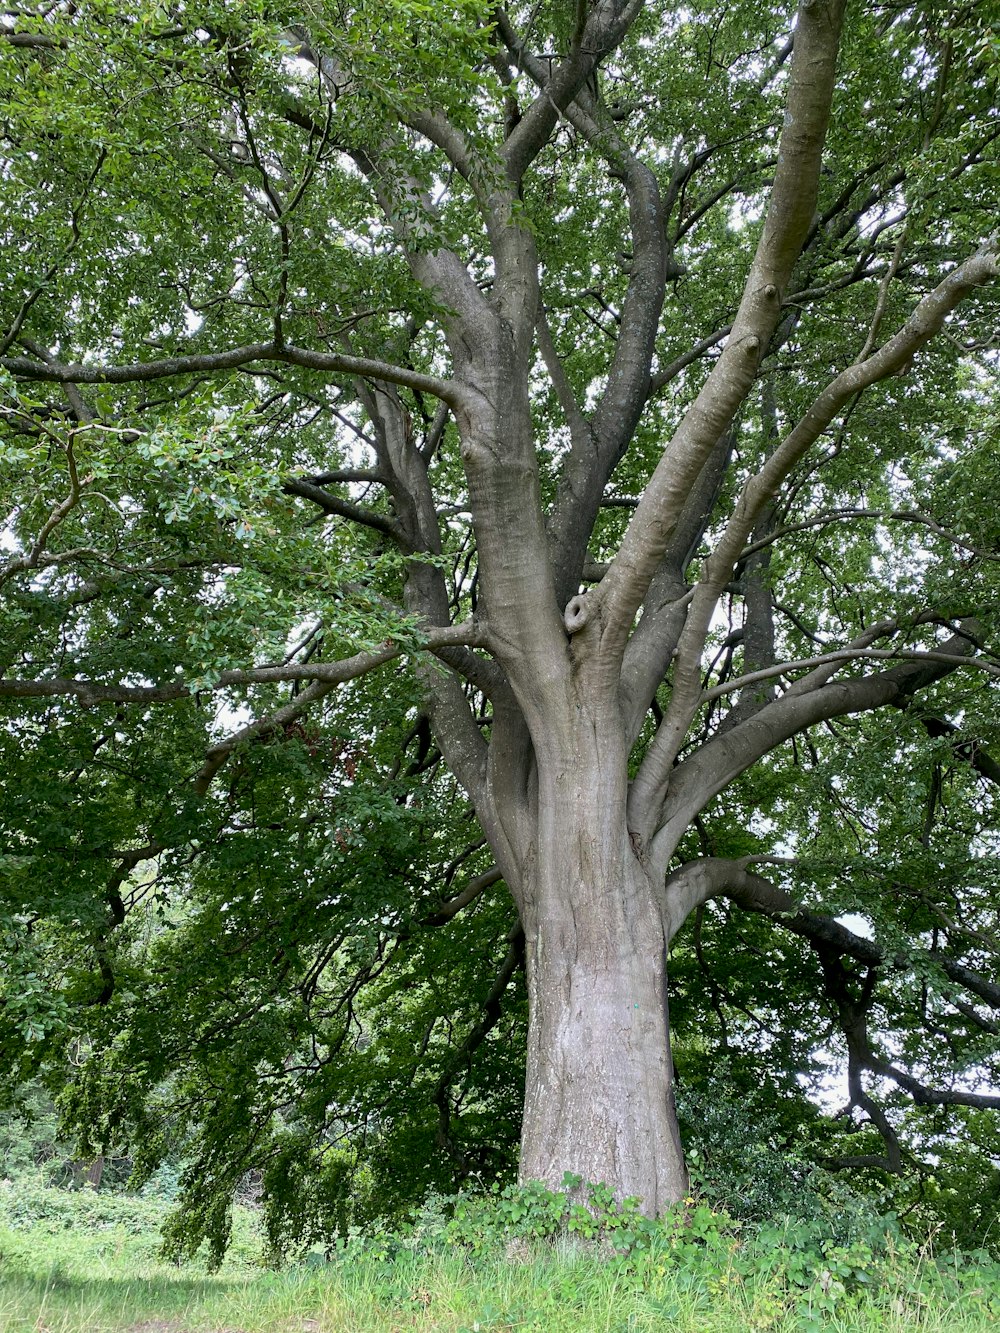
627 377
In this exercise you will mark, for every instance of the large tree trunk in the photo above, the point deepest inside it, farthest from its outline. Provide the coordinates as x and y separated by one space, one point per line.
598 1096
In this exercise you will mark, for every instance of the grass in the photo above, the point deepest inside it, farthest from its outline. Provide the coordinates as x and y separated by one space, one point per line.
57 1276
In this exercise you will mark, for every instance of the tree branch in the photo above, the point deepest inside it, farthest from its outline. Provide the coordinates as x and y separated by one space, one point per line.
11 335
198 363
789 213
926 320
356 513
695 780
701 880
847 655
90 692
604 29
595 455
460 901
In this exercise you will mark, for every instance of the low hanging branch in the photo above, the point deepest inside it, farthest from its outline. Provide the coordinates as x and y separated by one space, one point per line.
712 877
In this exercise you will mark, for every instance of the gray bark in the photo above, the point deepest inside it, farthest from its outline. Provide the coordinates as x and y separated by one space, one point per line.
598 1093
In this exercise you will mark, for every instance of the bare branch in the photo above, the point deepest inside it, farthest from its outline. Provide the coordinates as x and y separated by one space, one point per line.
219 753
673 368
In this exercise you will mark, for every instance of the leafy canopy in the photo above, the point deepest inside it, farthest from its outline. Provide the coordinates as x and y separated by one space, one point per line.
249 920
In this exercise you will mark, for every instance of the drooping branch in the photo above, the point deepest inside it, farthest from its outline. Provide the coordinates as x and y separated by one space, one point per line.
276 720
473 890
461 1058
709 877
702 880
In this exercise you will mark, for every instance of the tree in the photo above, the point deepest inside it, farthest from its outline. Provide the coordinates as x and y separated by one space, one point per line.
625 375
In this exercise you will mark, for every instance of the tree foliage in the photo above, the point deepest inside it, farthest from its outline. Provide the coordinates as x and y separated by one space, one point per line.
375 380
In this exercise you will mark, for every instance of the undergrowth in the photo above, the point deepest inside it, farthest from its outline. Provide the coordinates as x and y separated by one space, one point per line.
517 1259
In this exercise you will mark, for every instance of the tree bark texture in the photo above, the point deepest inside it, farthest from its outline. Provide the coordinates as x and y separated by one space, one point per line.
598 1092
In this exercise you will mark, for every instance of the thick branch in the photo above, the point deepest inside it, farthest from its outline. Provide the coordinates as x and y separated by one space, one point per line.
664 608
790 210
595 455
694 781
606 25
760 491
219 753
709 877
847 655
460 901
356 513
199 363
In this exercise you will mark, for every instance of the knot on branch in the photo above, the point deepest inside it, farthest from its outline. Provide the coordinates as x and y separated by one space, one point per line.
576 614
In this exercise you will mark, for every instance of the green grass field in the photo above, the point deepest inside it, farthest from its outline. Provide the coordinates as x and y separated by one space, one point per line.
99 1272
